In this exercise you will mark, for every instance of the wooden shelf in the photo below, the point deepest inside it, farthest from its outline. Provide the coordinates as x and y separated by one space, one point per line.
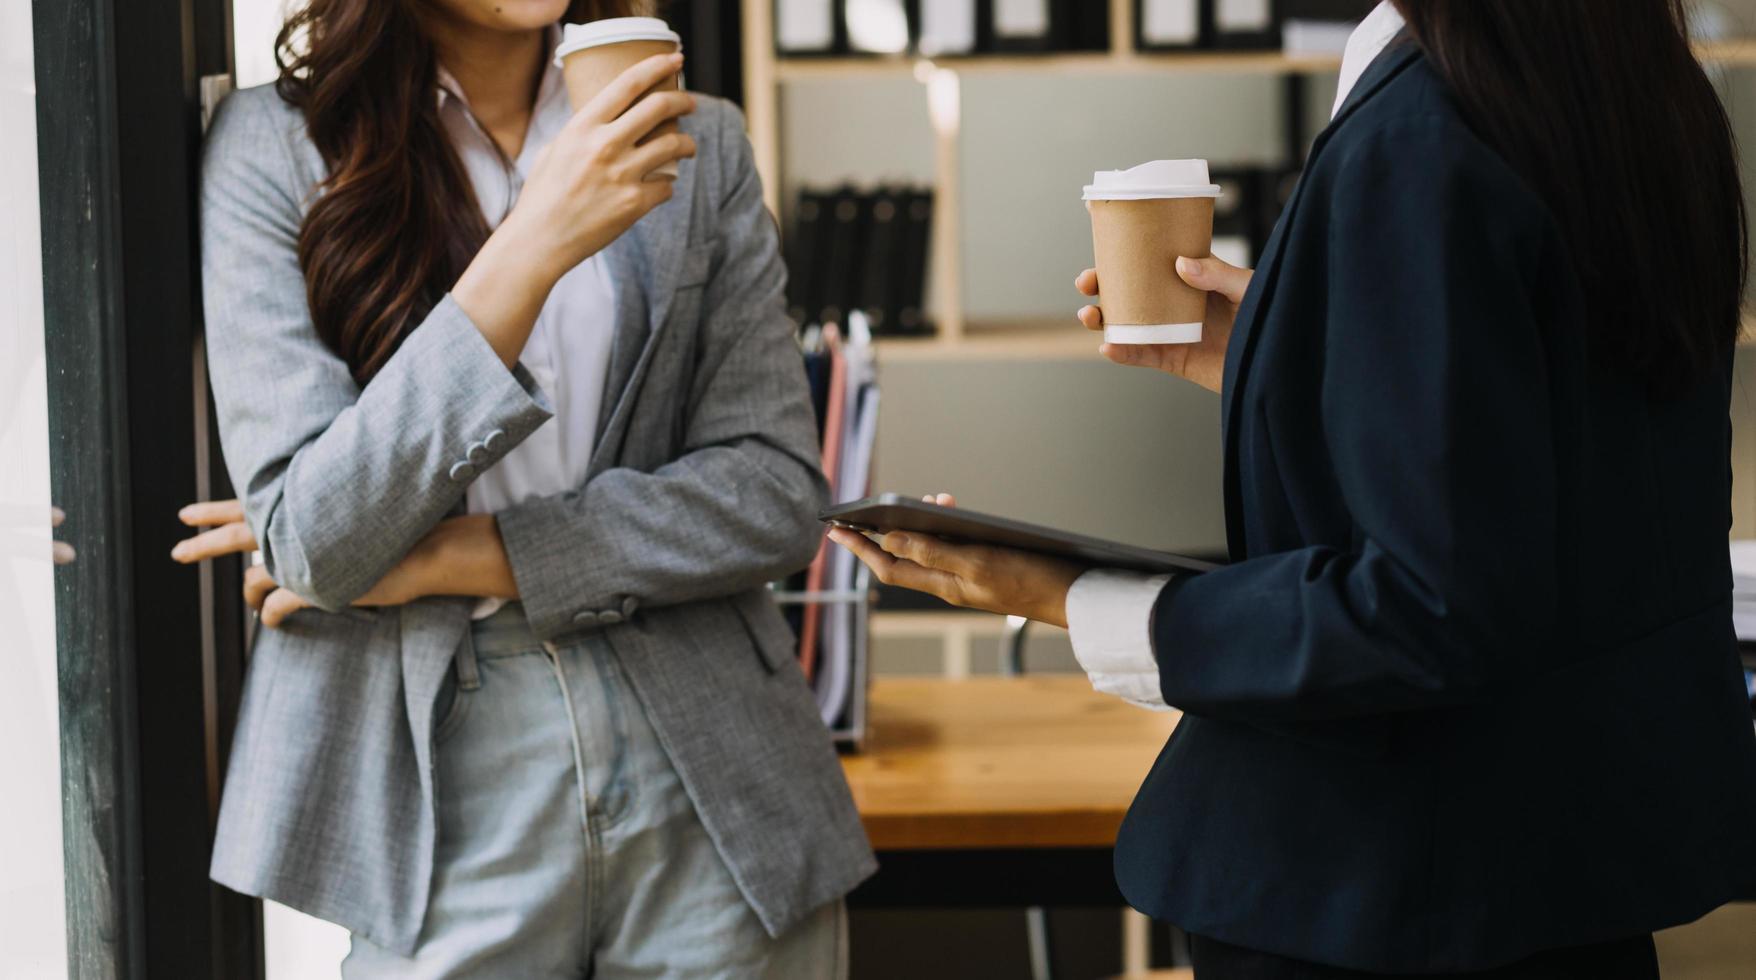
1084 63
787 69
1738 53
1021 340
1042 340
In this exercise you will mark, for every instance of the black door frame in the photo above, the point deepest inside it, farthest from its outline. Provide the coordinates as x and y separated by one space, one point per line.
150 653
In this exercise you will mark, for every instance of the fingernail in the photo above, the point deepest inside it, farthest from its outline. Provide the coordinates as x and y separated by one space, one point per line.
63 553
1188 267
177 552
56 516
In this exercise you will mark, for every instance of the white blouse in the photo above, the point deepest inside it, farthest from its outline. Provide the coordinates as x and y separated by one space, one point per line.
1109 613
568 353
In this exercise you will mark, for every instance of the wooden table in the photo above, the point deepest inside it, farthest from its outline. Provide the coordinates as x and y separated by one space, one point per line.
998 791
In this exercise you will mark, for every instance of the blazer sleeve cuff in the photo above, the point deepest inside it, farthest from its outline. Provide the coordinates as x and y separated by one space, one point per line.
1108 618
1161 614
494 409
555 583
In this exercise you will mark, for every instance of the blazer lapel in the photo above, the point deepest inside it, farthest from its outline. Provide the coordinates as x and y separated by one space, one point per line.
1399 55
644 264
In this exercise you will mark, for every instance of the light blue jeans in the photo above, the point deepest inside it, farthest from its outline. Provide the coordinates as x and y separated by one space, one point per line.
567 844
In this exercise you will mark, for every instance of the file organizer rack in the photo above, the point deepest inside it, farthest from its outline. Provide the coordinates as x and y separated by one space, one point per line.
850 733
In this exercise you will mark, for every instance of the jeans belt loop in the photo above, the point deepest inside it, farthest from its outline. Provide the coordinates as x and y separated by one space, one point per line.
468 678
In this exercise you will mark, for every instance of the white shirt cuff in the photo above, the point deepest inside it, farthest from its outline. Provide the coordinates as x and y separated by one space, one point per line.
1109 617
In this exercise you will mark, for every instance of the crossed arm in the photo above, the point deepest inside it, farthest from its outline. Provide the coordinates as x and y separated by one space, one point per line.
461 556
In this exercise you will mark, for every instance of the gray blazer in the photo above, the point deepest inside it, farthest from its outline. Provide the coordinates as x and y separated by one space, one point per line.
703 487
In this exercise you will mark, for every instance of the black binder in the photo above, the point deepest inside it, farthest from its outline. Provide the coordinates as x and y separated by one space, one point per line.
805 250
1332 10
1168 25
916 208
712 35
880 294
1242 24
1274 189
1018 25
1088 25
844 255
809 27
947 27
1235 217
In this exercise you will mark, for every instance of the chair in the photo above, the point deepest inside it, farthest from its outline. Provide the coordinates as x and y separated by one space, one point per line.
1136 943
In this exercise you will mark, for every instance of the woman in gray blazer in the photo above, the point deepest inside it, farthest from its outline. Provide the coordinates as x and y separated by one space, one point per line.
521 434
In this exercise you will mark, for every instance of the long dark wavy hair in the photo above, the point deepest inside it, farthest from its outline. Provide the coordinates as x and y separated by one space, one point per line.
395 222
1604 110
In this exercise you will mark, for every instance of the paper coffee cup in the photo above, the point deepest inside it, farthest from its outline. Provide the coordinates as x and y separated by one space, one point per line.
592 55
1142 220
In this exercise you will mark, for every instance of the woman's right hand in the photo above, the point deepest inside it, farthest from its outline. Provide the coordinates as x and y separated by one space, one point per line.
1203 363
590 185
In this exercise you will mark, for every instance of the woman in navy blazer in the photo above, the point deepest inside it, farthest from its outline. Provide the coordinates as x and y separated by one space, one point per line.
1468 697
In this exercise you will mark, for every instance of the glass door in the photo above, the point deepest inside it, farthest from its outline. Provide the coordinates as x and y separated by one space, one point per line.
33 928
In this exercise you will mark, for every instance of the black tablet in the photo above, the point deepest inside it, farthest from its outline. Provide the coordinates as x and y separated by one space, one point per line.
895 512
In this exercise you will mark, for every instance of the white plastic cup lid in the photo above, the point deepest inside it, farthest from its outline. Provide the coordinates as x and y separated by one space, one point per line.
1153 181
613 30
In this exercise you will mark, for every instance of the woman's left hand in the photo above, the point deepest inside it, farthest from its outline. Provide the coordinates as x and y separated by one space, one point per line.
996 580
418 574
401 586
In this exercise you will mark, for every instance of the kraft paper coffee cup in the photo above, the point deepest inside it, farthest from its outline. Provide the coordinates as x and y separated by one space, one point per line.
1142 220
592 55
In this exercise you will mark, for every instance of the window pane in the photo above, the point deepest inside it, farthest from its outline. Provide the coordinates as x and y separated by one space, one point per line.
33 934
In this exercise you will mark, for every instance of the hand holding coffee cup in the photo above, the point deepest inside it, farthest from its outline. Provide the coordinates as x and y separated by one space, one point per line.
1152 234
590 185
593 55
1203 362
1142 221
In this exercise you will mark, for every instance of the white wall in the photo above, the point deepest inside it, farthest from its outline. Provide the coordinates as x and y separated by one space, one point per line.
33 944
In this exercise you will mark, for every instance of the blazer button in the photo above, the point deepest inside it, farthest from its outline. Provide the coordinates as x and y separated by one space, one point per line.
478 454
629 604
463 472
609 617
493 441
587 618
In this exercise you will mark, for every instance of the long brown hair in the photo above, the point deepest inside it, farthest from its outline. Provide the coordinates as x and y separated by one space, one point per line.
1612 121
395 222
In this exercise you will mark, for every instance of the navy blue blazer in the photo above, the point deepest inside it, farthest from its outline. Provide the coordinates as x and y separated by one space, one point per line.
1470 689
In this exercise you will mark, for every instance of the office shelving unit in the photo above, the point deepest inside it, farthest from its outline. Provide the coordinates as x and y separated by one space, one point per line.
959 338
1015 339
